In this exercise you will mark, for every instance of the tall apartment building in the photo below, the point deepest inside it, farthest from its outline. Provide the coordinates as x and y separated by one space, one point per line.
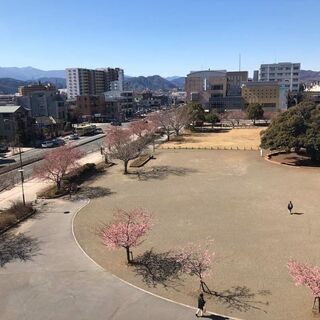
82 81
285 73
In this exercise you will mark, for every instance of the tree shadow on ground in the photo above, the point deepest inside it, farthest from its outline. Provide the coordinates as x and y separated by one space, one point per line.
17 247
162 172
158 268
240 298
87 192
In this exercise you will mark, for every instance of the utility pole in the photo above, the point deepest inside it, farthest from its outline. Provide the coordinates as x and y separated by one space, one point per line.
21 170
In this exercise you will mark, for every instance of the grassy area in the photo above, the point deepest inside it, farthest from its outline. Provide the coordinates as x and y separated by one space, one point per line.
224 138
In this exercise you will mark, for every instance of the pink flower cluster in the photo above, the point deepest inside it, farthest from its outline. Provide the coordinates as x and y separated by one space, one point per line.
126 229
304 274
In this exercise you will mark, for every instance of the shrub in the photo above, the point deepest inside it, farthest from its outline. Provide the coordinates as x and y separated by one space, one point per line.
6 220
19 210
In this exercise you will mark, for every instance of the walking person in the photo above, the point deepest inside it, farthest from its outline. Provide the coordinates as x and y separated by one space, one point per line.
201 304
290 207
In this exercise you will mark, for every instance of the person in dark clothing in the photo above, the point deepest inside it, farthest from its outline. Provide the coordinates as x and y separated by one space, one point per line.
201 304
290 207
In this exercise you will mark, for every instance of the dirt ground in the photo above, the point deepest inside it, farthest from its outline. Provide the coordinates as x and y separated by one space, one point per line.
223 138
294 159
237 203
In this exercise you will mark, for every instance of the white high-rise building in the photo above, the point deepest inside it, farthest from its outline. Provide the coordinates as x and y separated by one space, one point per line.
82 81
285 73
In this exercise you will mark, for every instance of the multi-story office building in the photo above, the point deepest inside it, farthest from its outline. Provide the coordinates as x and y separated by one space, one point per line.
255 75
219 90
235 80
202 85
269 94
82 81
285 73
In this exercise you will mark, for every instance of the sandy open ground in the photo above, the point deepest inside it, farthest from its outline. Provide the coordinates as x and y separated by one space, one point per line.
233 138
235 198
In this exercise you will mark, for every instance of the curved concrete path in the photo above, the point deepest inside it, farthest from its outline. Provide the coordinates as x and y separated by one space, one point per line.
58 281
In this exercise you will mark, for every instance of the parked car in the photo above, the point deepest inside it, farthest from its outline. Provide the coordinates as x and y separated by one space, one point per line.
3 148
58 142
116 123
47 144
98 131
73 136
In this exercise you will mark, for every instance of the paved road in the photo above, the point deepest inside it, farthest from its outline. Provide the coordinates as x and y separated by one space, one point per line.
57 281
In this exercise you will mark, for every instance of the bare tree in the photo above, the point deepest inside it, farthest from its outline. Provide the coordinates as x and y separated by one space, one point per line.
121 145
179 118
163 119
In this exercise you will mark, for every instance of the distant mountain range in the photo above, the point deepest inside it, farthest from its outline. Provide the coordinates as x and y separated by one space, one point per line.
152 83
309 76
29 73
10 86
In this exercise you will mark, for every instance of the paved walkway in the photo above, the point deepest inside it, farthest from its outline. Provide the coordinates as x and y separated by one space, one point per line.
57 281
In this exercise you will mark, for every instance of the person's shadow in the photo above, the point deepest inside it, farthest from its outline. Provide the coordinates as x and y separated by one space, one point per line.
297 213
214 317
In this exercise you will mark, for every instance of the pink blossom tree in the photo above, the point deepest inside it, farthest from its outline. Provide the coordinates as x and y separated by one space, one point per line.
196 261
121 145
126 230
139 127
308 276
57 163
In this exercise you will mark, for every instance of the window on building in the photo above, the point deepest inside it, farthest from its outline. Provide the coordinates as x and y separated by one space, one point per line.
217 87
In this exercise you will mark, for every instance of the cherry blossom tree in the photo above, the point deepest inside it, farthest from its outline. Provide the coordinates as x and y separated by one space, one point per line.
139 127
122 145
308 276
57 163
196 261
126 230
163 119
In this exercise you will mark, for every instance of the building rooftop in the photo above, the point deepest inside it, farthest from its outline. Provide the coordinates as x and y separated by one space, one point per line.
207 73
9 109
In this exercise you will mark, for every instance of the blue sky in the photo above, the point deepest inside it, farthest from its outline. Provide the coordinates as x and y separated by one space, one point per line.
166 37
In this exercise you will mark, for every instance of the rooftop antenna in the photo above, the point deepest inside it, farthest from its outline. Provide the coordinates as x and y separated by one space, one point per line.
239 62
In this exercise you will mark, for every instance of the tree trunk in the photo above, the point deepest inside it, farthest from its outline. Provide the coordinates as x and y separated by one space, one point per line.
58 185
168 135
126 166
128 254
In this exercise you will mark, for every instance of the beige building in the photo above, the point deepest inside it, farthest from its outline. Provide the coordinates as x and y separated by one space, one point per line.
202 85
269 94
